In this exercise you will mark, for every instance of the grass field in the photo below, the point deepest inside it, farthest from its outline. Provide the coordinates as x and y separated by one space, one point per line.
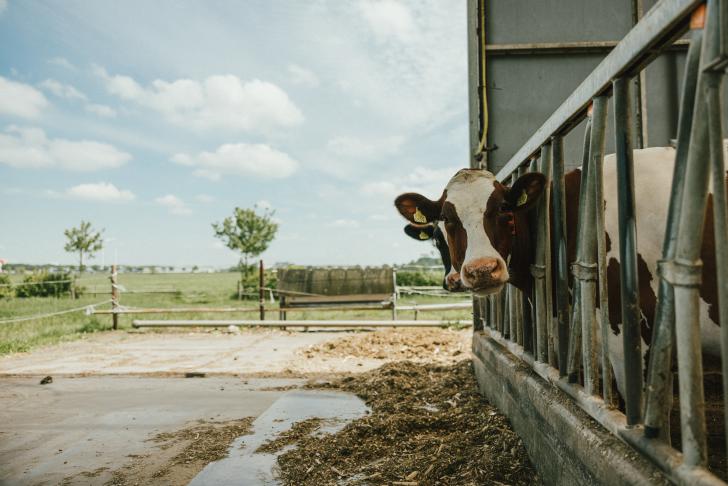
194 290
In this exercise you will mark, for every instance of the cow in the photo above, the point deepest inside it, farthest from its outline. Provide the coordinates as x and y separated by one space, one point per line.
490 242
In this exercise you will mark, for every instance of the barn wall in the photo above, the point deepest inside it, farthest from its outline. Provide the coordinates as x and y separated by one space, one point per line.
524 90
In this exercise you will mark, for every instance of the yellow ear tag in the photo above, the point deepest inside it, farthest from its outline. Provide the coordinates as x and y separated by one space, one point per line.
419 217
424 236
522 200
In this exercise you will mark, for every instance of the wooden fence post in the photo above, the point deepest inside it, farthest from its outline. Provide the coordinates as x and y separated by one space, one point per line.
261 290
114 297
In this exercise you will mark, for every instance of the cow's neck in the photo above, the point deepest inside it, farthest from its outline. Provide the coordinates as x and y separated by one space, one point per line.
522 253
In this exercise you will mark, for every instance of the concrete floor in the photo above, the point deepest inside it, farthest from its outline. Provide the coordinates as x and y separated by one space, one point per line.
112 392
51 432
249 353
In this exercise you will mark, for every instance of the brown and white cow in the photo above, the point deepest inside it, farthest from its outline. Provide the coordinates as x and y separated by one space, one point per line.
490 241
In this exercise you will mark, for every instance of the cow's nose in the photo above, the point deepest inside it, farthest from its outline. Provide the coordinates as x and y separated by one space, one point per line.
453 283
484 272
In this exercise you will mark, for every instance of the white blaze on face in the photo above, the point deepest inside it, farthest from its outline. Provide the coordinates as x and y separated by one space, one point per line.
469 191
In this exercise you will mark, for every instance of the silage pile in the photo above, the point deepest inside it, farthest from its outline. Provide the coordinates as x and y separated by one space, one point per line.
427 426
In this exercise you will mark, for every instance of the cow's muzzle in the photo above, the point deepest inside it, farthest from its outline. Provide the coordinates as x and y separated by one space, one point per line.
484 275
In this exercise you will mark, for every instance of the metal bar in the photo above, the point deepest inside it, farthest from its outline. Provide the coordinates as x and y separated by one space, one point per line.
114 297
477 309
559 242
659 372
629 286
304 323
600 116
716 53
538 269
588 267
685 275
659 26
545 236
560 47
575 336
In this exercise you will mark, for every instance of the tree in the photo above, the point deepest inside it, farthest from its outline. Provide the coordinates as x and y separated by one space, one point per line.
248 232
83 240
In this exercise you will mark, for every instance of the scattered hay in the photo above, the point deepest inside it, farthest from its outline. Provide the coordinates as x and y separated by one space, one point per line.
397 344
180 456
295 434
428 426
208 441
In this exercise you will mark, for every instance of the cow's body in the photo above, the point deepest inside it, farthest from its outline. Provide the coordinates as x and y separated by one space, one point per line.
488 223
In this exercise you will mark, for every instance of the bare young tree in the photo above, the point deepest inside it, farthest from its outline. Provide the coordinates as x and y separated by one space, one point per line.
83 240
247 232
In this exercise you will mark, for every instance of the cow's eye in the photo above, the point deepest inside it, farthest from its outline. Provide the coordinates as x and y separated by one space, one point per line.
505 207
443 218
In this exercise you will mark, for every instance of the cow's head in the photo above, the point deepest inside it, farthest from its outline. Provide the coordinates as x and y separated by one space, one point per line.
435 233
485 225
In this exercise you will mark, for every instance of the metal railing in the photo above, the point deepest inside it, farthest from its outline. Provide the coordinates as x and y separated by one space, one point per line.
566 340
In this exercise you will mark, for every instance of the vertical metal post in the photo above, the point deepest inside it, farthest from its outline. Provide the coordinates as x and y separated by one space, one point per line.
559 242
629 288
586 268
659 373
685 275
598 140
261 290
538 269
114 297
477 319
575 335
717 56
394 294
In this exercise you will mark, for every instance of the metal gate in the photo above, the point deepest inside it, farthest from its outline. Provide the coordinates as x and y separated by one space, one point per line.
558 337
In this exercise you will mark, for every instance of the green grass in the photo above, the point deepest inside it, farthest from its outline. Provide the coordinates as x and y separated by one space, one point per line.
195 290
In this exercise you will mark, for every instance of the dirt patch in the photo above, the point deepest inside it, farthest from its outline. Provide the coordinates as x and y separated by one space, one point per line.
180 455
428 425
439 345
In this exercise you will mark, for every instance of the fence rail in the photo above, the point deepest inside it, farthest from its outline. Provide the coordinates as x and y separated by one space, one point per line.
567 341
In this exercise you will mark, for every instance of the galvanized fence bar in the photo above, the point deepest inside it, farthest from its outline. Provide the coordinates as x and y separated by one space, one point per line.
587 266
538 269
659 373
559 242
575 335
684 272
629 288
599 116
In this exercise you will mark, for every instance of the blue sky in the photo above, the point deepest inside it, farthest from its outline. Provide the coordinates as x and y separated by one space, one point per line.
153 119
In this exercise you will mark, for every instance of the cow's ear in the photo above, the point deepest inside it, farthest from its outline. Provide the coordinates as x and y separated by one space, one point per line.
525 191
419 232
417 208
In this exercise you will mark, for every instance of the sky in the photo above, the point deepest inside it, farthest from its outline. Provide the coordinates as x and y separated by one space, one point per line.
154 119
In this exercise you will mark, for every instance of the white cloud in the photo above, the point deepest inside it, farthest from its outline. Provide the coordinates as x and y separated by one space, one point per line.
217 102
30 148
62 90
62 62
302 76
100 192
429 182
358 148
19 99
174 204
3 6
242 159
388 18
343 223
204 198
101 110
